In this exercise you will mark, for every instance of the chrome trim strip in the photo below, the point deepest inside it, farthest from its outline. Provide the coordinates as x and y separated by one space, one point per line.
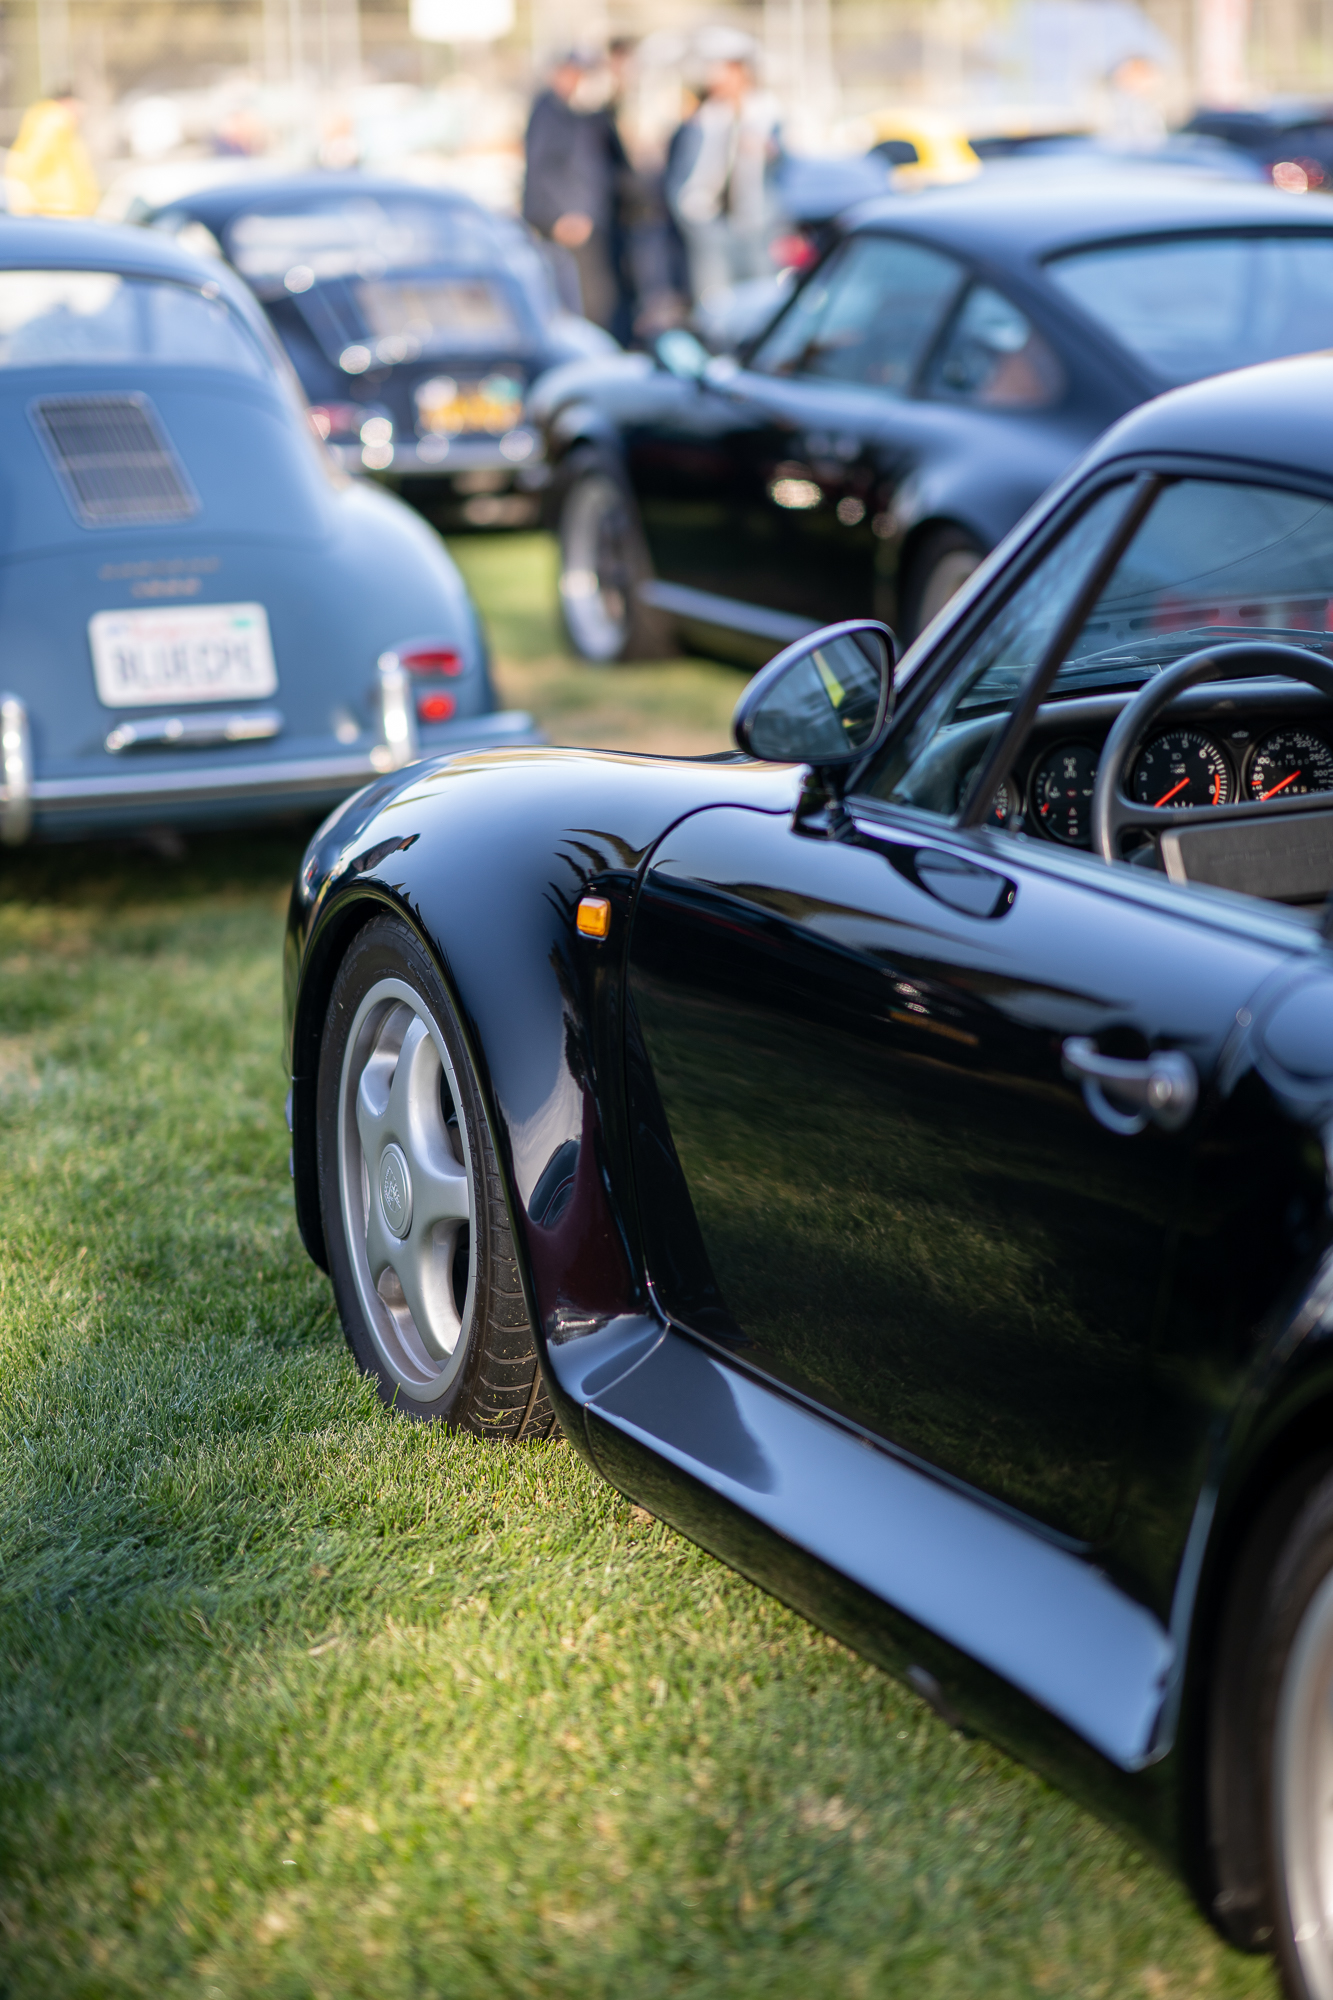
241 782
757 621
16 771
462 455
188 731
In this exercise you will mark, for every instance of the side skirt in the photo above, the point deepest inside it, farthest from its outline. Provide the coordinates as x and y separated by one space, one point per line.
991 1623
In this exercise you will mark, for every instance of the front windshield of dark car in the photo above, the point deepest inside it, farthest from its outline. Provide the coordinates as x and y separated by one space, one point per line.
1191 306
50 318
1213 561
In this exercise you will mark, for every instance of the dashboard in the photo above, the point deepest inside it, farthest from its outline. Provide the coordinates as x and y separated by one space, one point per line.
1218 745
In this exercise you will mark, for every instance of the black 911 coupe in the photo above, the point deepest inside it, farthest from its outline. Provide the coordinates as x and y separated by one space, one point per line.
900 1154
416 321
947 360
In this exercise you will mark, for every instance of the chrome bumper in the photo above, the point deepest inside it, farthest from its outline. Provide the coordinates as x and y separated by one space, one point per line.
442 455
25 799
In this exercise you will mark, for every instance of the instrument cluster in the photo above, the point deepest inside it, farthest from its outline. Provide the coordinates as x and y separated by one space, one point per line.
1180 766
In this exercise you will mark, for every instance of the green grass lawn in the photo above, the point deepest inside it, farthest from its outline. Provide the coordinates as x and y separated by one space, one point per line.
680 706
297 1699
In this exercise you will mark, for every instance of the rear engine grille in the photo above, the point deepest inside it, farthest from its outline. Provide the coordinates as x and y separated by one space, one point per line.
114 460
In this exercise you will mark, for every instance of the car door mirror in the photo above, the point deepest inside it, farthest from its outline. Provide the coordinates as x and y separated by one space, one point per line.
681 354
822 701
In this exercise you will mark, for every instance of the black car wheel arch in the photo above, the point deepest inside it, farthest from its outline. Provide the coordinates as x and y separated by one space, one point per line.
934 563
603 562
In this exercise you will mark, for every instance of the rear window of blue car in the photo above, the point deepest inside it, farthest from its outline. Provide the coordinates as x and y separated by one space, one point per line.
53 317
364 237
1192 306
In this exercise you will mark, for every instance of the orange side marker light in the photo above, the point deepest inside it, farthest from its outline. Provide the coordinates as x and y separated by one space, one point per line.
594 917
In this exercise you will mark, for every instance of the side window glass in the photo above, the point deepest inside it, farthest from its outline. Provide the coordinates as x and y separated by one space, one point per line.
929 762
868 317
995 359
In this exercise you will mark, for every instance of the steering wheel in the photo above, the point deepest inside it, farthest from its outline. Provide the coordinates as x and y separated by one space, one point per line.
1113 814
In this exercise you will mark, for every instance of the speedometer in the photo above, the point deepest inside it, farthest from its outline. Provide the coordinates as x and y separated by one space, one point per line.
1183 767
1290 761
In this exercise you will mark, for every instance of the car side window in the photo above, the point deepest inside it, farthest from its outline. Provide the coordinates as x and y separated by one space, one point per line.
994 358
868 316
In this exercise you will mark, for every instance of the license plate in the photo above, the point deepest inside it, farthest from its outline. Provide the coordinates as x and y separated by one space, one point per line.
454 408
195 652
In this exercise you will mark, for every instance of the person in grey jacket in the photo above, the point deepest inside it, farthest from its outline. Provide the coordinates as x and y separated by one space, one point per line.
719 181
569 186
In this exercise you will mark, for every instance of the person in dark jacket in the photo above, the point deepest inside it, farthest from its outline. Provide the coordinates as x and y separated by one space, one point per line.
569 186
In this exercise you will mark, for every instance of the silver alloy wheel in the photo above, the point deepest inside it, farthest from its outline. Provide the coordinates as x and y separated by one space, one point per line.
595 568
1303 1791
408 1188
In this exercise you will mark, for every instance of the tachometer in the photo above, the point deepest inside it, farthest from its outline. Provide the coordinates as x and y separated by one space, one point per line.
1062 793
1290 761
1183 767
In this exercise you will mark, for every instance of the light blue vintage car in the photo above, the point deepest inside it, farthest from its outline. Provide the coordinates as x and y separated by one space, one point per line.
201 617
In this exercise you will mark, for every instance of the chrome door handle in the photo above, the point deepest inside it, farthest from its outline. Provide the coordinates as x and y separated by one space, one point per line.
1164 1088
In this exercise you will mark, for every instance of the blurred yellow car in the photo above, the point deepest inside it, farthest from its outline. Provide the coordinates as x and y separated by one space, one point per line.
924 148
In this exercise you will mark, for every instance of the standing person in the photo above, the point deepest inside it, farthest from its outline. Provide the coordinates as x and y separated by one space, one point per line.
628 193
722 163
49 171
568 188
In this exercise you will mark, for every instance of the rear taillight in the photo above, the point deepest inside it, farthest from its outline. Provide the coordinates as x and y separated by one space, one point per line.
435 707
336 420
793 253
430 660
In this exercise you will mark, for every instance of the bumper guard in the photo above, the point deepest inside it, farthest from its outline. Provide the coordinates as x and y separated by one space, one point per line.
26 799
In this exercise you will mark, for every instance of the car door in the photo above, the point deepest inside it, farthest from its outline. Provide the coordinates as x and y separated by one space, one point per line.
890 390
769 484
861 1163
851 1045
828 435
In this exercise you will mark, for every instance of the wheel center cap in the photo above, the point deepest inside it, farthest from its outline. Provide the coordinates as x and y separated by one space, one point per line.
395 1190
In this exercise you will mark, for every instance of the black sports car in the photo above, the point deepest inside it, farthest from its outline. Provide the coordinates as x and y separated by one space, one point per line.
1291 142
415 319
899 1154
948 359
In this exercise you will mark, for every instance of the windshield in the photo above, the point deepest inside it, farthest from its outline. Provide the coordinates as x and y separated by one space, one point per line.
53 317
363 237
1195 306
1213 560
427 314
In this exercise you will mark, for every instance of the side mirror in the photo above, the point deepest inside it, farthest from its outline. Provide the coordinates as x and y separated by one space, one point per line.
822 701
681 354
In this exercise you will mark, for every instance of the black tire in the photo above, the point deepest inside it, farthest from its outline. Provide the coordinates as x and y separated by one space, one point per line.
604 561
939 565
419 1245
1271 1754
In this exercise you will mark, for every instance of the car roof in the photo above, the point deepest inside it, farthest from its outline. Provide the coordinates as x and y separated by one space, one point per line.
216 206
1028 217
28 244
1279 415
